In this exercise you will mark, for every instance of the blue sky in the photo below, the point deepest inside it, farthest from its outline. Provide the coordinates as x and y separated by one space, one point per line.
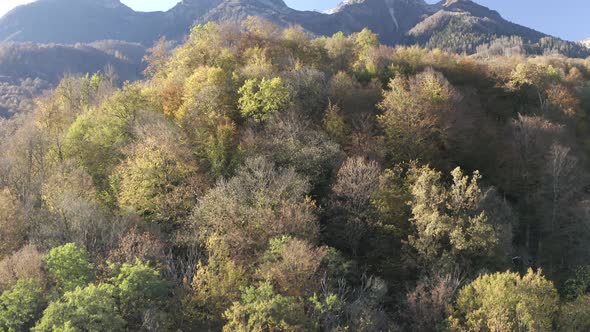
567 19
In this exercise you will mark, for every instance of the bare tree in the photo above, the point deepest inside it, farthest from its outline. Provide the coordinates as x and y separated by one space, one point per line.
561 167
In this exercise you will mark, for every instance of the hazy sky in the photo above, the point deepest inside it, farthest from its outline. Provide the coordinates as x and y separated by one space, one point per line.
6 5
566 18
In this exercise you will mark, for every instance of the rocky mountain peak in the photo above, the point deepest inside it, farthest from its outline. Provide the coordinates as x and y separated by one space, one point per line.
394 21
105 3
452 2
388 3
110 3
472 8
278 5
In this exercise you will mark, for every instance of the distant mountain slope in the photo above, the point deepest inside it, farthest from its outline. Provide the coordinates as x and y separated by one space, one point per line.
51 62
73 21
454 25
391 19
17 96
462 25
28 69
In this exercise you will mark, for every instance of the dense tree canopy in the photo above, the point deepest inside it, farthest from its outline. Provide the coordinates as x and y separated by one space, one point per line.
262 179
70 266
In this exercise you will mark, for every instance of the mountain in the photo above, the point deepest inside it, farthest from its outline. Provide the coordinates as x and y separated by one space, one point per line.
585 42
47 39
457 25
462 25
28 69
50 62
73 21
391 19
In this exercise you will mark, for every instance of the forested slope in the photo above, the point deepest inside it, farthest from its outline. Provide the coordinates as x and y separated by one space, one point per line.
28 70
263 180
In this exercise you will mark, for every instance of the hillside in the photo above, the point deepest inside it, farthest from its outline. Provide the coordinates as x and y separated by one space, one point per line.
454 25
51 62
265 179
78 21
463 25
28 69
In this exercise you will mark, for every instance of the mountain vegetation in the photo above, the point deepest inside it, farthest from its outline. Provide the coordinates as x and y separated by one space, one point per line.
75 37
28 70
263 179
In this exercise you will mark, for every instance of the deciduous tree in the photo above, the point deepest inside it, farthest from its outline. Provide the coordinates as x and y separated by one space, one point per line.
261 309
464 223
93 308
414 115
21 306
506 302
261 99
13 223
70 266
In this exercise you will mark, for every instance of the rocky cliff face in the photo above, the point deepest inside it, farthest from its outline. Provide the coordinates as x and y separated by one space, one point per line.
238 10
390 19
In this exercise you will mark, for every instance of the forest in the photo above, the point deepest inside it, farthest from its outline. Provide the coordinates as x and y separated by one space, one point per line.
263 179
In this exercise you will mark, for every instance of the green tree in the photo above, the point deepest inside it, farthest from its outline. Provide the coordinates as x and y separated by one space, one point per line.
205 46
366 39
340 50
217 284
328 312
96 138
73 96
139 288
261 99
21 306
365 66
156 168
92 309
209 92
506 302
414 114
335 124
222 149
461 224
391 199
261 309
70 266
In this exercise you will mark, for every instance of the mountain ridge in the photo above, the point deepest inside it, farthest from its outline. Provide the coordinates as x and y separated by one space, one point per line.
454 25
391 19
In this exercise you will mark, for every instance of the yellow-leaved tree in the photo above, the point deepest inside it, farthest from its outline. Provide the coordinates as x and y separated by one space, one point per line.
506 302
